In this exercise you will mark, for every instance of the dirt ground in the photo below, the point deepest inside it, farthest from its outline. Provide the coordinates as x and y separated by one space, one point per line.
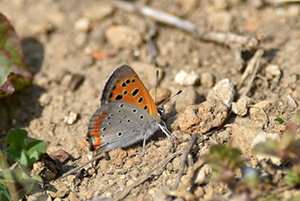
73 46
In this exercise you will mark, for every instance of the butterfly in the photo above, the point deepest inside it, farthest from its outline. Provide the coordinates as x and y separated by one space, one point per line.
127 114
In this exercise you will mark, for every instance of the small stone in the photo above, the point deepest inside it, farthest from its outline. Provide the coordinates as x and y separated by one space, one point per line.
91 171
161 61
203 175
45 99
176 164
49 175
169 167
224 135
223 91
221 21
189 5
104 165
162 94
73 197
187 97
71 118
243 135
207 79
117 156
62 192
241 106
262 138
80 39
82 24
98 11
187 79
273 71
66 80
123 37
203 117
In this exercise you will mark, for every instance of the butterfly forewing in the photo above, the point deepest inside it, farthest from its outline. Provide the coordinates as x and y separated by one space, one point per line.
125 85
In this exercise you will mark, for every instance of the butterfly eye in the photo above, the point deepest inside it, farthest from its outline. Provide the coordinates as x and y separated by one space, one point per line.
160 111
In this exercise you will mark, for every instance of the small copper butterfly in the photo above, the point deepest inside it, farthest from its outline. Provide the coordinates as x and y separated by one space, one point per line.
127 114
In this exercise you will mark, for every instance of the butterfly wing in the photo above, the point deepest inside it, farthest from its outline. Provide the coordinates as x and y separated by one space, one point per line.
125 85
119 124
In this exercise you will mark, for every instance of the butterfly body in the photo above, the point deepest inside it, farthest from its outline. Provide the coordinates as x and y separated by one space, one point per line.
127 114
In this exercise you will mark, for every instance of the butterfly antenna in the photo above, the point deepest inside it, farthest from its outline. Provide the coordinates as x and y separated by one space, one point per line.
160 105
156 85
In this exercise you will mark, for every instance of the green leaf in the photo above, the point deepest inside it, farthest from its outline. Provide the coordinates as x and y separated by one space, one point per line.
18 137
4 196
14 74
279 120
24 160
36 145
13 152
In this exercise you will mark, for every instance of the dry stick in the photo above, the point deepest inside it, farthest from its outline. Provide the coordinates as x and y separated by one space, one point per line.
257 56
162 164
79 167
165 18
184 158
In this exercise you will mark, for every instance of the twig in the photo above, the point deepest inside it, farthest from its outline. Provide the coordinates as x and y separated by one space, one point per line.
162 164
79 167
255 60
184 158
165 18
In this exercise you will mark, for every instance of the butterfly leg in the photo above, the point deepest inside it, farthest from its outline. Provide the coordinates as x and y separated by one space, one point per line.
144 145
165 131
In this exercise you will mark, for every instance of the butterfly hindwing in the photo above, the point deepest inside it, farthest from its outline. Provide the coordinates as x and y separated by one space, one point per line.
136 125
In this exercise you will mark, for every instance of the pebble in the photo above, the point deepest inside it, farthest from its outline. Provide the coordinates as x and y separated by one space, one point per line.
241 106
49 175
123 36
203 117
45 99
187 97
243 135
82 24
221 21
80 39
187 79
224 135
104 165
273 71
223 91
73 197
91 171
71 118
161 61
162 94
203 175
169 167
262 138
176 164
207 79
98 11
189 5
62 191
